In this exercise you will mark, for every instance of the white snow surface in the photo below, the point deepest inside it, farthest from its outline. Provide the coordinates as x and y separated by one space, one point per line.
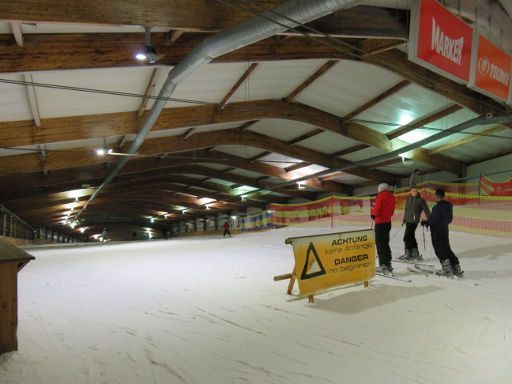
206 310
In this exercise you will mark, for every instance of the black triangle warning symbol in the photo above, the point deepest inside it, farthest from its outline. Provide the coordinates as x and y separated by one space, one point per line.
313 266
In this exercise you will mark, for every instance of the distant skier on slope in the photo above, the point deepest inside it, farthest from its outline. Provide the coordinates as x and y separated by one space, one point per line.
441 217
226 229
381 213
414 206
414 178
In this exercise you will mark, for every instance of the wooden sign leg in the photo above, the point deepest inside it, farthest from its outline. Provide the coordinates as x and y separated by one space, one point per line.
311 298
290 284
365 283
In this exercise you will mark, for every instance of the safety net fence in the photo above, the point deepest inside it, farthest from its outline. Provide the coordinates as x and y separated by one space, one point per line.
474 211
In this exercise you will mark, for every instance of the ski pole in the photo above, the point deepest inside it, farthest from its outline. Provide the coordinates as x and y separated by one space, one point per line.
424 243
396 233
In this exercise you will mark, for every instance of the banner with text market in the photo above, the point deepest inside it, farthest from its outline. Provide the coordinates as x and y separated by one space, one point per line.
330 260
443 43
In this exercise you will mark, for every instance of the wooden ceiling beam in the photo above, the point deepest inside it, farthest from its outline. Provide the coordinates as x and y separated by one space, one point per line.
273 171
470 138
347 151
306 83
305 136
423 121
246 125
391 91
32 99
47 52
361 133
255 140
200 15
71 51
147 184
74 178
84 156
21 133
396 61
161 200
318 73
259 157
150 90
237 85
384 95
17 33
297 166
173 36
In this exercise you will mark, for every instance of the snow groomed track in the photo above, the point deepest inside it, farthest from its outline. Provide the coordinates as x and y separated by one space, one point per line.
206 310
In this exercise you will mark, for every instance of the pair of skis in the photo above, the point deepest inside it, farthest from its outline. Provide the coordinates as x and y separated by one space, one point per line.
413 262
416 266
394 277
430 270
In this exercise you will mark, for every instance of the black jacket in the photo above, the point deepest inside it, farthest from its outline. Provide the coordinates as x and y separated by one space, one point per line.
413 208
441 217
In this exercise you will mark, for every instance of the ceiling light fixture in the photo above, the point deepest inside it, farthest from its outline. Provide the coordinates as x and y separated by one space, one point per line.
149 55
103 151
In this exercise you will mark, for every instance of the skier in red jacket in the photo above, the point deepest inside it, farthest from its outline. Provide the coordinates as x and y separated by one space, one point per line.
382 213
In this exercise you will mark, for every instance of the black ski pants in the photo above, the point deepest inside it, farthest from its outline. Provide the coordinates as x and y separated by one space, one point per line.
410 236
382 243
226 231
441 244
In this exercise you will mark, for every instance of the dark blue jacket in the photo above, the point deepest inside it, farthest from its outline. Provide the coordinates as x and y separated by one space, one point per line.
441 217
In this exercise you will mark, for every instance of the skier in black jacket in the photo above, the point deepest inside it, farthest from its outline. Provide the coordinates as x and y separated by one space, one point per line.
414 206
441 217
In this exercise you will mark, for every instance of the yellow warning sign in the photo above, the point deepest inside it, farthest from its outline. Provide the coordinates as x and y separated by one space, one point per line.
324 261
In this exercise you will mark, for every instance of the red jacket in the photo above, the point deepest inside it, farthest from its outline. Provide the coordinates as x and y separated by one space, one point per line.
384 207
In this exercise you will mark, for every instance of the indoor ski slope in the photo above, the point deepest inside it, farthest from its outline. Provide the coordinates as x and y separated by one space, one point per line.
206 310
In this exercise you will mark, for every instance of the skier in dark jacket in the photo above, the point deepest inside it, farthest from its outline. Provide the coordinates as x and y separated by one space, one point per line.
414 206
441 217
382 213
226 229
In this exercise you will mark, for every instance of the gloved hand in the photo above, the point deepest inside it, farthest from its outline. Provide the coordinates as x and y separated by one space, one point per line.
373 217
424 223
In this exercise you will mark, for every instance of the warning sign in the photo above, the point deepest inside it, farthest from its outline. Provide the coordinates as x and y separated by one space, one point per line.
324 261
313 266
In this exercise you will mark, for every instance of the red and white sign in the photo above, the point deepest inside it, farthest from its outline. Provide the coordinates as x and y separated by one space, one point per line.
490 69
491 188
440 41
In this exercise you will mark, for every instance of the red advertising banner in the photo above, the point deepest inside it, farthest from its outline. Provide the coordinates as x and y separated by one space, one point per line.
440 41
493 188
490 69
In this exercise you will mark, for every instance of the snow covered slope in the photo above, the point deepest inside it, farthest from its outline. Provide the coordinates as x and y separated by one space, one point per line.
206 310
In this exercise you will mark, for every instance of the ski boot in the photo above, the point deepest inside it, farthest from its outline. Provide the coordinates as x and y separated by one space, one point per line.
407 256
384 270
415 255
447 269
457 271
